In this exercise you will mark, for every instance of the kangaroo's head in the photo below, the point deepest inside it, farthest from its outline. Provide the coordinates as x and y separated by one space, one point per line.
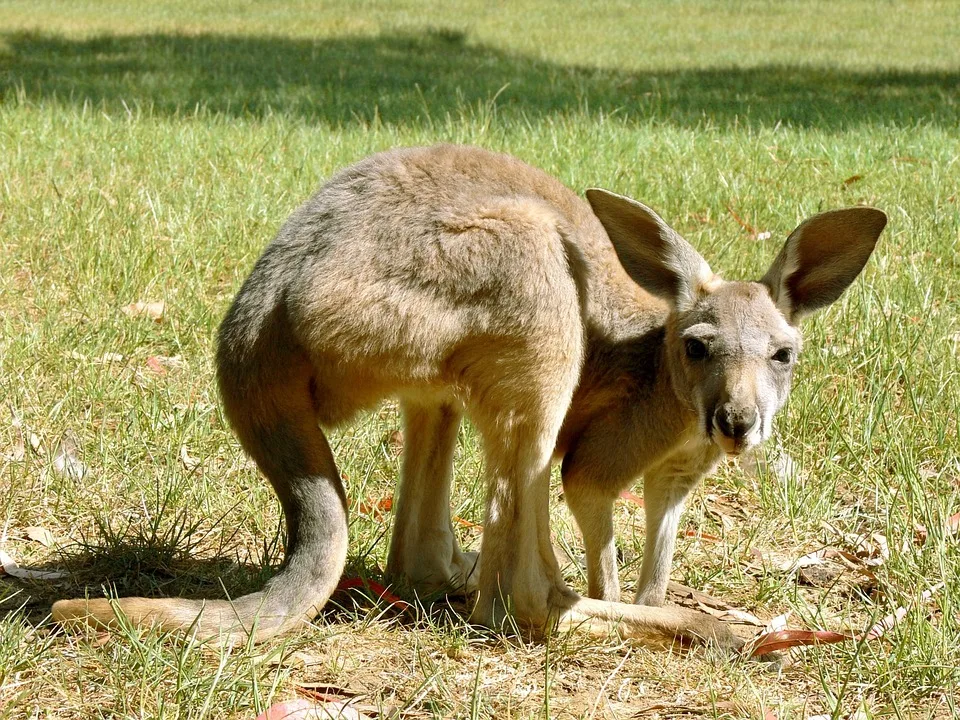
731 346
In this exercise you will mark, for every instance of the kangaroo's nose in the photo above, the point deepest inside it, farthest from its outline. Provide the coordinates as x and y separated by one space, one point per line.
735 423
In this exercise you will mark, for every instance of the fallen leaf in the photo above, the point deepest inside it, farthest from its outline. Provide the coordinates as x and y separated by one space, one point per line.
697 596
825 575
951 528
376 507
11 568
394 442
160 364
36 443
778 623
694 533
153 310
40 535
784 639
303 709
726 521
373 586
280 658
891 620
65 459
632 497
852 179
315 689
462 522
741 222
679 709
733 615
772 641
189 462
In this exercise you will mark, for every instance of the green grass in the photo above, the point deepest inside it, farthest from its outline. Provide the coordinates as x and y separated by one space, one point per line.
149 151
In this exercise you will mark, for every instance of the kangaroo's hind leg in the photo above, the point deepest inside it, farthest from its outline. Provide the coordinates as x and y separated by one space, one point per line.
424 551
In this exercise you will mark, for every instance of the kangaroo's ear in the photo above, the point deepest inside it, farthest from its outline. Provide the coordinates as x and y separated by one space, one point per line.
652 253
821 258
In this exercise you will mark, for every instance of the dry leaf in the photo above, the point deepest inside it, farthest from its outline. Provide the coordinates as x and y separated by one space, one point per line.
778 623
36 443
692 533
733 615
152 310
681 709
741 222
394 442
160 364
825 575
373 586
632 497
297 659
40 535
953 525
303 709
698 597
852 179
11 568
376 508
189 462
784 639
891 620
65 459
774 640
462 522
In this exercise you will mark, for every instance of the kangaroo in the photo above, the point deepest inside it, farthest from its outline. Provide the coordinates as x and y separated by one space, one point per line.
467 283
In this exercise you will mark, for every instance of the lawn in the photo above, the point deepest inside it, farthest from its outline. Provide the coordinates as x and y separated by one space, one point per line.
150 150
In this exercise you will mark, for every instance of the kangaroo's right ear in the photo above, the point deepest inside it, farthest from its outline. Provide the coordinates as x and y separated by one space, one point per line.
821 258
652 252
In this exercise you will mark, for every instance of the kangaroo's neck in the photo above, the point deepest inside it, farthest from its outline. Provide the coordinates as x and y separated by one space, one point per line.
625 369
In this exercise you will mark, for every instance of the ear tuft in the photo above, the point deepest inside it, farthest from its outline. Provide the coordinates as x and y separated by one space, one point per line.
653 254
821 258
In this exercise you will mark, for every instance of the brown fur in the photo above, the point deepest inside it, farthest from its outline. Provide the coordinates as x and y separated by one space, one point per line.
464 282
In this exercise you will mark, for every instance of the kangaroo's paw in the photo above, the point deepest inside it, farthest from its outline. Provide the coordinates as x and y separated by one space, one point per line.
442 570
654 626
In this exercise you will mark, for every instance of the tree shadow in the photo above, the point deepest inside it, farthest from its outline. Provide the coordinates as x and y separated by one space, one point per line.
417 78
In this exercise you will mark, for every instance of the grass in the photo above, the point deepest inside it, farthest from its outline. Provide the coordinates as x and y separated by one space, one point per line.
149 151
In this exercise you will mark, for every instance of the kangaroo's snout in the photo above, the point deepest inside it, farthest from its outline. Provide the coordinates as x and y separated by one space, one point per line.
733 427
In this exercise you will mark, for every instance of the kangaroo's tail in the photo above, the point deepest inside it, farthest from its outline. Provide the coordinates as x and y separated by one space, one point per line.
267 384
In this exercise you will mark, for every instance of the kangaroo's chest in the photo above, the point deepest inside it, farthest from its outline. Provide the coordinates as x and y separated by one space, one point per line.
692 455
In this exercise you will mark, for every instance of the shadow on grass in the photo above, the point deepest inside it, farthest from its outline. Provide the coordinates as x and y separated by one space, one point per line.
417 78
132 567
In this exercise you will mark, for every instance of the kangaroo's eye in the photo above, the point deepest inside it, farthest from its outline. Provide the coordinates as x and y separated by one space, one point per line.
783 356
696 350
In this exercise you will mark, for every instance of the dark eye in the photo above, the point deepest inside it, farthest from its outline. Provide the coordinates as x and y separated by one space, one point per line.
696 350
783 356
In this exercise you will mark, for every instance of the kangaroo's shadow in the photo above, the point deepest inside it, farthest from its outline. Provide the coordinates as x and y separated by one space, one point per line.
134 566
415 79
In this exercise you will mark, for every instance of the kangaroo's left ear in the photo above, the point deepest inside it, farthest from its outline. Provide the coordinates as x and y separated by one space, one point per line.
821 258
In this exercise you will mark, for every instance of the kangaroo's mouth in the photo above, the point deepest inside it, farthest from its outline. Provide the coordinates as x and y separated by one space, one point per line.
741 442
